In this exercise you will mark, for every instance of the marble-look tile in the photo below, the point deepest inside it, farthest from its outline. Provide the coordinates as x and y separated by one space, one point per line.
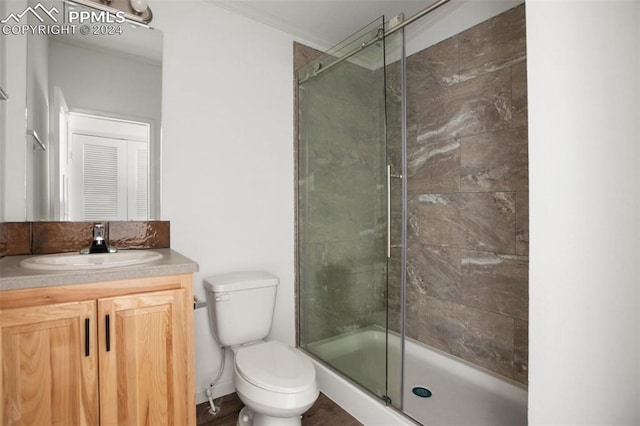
339 301
496 282
519 98
396 212
342 168
393 114
320 317
333 217
139 235
493 44
393 293
433 218
393 83
361 296
434 167
350 82
479 105
487 222
428 114
521 352
412 122
433 68
337 121
302 55
59 237
15 238
317 322
468 201
481 337
434 271
415 315
522 223
302 238
496 161
476 221
347 80
352 256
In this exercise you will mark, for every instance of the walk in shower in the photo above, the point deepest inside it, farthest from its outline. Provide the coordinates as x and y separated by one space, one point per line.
412 212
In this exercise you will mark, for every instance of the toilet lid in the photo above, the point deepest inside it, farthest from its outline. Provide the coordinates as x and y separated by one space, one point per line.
276 367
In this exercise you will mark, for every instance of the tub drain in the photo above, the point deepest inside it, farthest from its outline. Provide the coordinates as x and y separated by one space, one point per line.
422 392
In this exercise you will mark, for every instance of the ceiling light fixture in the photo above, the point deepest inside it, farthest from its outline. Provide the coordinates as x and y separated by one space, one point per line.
140 6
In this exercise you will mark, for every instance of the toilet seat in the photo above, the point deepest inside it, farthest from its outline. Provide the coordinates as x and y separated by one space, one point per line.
276 367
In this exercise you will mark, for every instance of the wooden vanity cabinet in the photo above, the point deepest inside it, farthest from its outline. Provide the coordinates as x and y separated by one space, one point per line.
49 364
122 354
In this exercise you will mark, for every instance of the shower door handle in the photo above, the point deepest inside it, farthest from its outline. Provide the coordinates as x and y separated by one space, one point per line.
388 210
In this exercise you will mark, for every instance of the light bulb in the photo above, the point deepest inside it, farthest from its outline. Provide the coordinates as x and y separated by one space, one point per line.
139 6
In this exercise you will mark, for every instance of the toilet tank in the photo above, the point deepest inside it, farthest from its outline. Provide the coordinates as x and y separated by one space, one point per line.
241 306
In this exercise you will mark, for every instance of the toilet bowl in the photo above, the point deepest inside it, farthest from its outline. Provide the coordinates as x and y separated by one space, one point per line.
276 383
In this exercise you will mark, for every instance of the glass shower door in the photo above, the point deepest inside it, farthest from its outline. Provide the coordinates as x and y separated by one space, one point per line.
396 155
343 211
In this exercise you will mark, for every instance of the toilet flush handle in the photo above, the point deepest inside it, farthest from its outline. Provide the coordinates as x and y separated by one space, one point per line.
223 297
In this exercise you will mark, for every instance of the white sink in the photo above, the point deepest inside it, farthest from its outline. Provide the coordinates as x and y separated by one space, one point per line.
79 262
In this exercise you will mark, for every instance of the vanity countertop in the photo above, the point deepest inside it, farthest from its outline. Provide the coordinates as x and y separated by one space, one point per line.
13 276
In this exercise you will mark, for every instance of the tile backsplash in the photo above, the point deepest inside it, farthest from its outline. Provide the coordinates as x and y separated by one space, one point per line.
20 238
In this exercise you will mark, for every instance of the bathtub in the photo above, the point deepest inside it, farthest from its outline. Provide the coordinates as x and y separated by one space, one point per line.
461 394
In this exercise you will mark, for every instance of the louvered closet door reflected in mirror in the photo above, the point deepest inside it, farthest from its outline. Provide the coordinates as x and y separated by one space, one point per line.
109 169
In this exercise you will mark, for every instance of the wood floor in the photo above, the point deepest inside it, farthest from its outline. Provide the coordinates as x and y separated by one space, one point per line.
323 412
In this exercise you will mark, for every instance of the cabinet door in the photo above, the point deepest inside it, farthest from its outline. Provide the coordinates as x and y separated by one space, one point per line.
49 365
143 359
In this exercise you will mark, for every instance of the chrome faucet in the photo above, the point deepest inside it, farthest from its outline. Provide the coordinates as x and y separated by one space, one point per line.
99 244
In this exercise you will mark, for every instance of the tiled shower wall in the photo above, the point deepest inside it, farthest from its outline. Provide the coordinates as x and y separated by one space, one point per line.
467 260
467 249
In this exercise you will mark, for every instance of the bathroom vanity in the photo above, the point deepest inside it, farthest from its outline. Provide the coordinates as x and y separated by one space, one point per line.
108 346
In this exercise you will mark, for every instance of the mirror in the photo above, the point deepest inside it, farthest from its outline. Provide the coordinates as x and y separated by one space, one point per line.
94 101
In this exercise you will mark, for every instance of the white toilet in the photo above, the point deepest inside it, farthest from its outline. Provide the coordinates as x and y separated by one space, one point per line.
276 383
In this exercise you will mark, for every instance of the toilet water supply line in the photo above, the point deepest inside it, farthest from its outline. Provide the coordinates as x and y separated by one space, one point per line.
213 408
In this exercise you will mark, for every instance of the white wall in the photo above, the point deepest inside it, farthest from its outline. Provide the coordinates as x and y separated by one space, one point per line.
584 91
228 154
15 143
